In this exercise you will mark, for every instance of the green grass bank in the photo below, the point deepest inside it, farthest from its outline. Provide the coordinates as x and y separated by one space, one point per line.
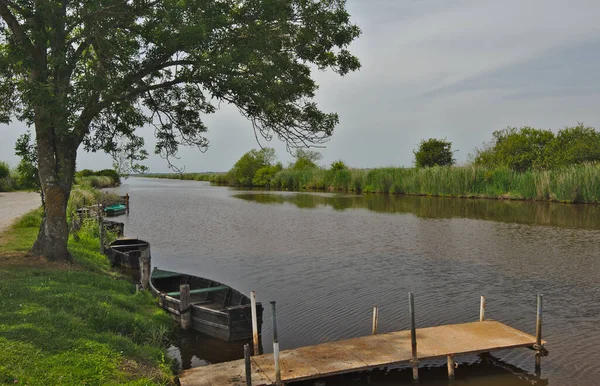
78 324
571 184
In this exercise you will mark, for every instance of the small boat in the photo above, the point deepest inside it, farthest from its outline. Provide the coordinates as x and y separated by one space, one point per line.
127 252
115 210
217 309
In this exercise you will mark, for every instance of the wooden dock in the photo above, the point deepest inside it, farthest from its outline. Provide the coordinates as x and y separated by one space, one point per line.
365 353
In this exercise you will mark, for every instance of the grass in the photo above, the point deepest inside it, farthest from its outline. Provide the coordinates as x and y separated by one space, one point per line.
98 182
571 184
79 324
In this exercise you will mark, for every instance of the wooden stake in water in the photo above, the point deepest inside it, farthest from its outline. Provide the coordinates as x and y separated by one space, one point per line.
538 335
275 346
127 202
413 337
482 309
375 319
451 367
185 306
248 366
254 323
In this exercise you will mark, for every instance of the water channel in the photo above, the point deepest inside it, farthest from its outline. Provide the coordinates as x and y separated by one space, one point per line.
327 259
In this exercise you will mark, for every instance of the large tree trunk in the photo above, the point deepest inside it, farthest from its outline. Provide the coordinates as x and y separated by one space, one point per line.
54 232
56 167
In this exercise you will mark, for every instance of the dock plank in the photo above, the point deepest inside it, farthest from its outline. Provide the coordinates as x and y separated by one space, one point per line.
364 353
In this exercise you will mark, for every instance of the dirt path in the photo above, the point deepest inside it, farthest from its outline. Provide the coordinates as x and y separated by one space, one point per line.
15 204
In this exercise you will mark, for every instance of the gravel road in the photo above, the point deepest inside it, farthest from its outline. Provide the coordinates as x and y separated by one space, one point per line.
15 204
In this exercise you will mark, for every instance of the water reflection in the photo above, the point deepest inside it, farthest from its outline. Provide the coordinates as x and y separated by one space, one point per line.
487 370
328 266
520 212
193 349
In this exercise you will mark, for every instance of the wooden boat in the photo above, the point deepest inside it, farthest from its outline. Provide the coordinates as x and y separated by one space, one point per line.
217 309
127 252
115 210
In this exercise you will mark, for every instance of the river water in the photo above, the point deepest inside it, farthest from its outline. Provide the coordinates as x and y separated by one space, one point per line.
327 259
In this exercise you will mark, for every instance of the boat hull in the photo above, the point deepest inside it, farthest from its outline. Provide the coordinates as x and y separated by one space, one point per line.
231 323
128 252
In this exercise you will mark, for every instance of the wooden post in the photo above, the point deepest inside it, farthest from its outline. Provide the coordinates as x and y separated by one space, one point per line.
248 367
101 229
413 337
538 336
127 202
275 346
451 366
255 342
482 309
144 272
375 320
185 306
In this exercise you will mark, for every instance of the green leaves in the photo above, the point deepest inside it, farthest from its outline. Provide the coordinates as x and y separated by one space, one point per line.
528 148
434 152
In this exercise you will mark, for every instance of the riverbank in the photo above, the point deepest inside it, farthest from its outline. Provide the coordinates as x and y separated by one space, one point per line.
573 184
75 324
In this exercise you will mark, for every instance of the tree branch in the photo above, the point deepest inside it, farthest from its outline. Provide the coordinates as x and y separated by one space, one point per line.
11 4
15 27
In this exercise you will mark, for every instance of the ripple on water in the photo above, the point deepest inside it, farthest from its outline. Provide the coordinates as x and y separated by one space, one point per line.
328 259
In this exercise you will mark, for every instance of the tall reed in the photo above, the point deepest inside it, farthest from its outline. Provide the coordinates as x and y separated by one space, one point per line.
574 184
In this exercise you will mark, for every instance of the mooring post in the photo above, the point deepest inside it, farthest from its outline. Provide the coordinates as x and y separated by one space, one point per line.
413 337
101 229
144 271
127 202
275 346
375 319
451 367
185 306
482 309
539 348
255 342
248 367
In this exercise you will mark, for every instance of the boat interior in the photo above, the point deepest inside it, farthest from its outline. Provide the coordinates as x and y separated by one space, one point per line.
204 293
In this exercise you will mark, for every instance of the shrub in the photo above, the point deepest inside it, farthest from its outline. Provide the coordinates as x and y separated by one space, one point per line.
110 173
434 152
4 170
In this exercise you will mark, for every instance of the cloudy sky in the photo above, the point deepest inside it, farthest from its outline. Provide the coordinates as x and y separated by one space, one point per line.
431 68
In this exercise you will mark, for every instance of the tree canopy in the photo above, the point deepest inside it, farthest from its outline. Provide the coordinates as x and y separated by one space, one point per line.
434 152
92 72
529 148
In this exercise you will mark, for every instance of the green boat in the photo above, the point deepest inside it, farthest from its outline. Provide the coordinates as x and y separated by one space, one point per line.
115 210
217 309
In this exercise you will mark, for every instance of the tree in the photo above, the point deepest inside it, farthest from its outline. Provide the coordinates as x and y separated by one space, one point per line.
434 152
91 72
246 167
518 149
27 168
574 145
306 159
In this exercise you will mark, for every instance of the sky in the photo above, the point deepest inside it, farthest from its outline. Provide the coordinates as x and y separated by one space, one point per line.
430 68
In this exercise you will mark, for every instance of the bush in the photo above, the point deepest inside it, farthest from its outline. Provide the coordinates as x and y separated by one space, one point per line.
85 173
263 176
4 170
529 148
245 168
434 152
110 173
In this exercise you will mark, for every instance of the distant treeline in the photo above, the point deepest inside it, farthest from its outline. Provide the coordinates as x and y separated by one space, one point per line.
523 164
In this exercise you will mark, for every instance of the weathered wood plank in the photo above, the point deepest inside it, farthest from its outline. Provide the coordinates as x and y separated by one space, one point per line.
364 353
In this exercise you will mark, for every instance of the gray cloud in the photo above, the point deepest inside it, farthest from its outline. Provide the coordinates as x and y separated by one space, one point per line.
432 68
